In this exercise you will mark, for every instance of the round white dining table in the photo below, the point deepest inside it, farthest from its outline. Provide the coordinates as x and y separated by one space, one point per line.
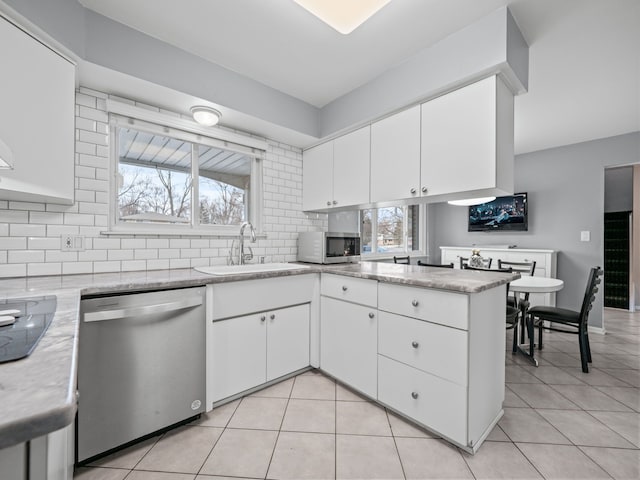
530 284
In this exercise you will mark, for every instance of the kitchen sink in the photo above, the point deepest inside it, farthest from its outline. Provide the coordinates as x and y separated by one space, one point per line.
249 268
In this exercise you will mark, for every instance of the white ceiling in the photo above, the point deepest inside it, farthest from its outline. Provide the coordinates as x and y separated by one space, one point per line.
584 78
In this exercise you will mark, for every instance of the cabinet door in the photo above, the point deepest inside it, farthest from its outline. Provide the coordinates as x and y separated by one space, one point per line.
395 156
238 355
317 177
348 344
351 154
37 95
287 340
459 140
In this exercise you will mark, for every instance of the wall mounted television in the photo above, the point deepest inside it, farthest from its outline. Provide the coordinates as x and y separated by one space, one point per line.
508 213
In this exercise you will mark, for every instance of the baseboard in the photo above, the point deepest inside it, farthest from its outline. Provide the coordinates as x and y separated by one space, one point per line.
599 330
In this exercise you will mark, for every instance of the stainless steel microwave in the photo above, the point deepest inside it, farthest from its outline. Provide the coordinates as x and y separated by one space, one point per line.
328 247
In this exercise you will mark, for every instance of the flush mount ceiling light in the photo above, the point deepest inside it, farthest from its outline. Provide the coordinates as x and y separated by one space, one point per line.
6 155
205 115
466 202
343 15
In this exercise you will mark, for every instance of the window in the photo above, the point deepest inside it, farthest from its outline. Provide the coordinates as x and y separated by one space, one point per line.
168 179
390 230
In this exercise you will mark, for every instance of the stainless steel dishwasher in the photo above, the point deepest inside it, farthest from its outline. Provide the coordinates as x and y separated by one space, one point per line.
141 366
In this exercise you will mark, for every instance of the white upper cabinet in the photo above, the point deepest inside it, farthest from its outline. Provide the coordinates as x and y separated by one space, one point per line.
317 177
459 145
351 168
336 173
467 141
395 156
37 119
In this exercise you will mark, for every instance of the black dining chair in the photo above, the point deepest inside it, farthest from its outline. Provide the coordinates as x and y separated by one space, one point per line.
571 321
404 260
439 265
486 262
512 311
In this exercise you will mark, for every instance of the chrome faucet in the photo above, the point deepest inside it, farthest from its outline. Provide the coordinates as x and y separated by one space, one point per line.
242 257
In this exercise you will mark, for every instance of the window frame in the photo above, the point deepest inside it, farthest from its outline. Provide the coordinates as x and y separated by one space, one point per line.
127 116
422 240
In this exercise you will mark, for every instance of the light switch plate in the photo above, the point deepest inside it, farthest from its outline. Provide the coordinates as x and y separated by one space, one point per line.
585 236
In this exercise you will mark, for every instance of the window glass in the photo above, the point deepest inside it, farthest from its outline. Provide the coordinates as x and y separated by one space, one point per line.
155 169
390 230
154 178
224 182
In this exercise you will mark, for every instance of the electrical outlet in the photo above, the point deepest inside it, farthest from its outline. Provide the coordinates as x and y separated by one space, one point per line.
585 236
72 243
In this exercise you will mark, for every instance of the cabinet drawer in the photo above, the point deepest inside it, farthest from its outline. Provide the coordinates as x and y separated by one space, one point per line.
445 308
539 258
431 401
233 299
356 290
439 350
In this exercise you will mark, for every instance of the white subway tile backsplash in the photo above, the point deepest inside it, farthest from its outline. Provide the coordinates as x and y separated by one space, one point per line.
30 232
25 256
13 270
44 269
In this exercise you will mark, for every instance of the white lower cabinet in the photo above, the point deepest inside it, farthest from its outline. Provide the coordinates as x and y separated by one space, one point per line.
348 343
250 350
432 401
49 457
441 359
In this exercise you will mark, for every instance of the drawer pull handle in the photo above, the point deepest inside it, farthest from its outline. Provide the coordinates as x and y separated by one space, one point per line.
414 303
344 288
424 189
263 318
328 203
272 316
414 395
413 190
415 344
371 315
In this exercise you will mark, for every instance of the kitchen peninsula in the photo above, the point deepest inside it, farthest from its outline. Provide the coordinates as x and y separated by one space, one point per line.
437 342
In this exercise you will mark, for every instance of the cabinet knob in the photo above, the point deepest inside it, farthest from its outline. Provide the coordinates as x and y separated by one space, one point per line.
344 288
371 315
424 189
413 190
263 318
272 316
329 203
335 202
414 395
415 344
414 303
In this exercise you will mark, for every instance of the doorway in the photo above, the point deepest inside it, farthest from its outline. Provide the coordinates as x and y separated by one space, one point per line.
621 227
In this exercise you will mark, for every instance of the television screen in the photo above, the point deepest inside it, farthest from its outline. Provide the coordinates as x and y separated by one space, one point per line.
504 213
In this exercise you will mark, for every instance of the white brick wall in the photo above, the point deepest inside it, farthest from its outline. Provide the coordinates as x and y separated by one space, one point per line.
30 232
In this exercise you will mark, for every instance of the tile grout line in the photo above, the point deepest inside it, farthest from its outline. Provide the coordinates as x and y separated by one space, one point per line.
395 444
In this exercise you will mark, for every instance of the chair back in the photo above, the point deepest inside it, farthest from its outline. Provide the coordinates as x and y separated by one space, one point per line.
486 261
590 294
523 267
439 265
496 270
405 260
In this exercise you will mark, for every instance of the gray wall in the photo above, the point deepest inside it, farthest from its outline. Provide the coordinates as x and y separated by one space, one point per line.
618 189
566 196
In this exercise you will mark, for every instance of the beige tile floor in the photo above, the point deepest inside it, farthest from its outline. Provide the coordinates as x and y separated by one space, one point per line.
559 423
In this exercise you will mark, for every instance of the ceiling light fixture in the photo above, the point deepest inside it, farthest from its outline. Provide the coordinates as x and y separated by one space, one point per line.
205 115
6 156
466 202
343 16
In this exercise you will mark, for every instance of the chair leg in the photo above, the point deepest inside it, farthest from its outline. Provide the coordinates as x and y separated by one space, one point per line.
540 335
583 351
514 348
586 340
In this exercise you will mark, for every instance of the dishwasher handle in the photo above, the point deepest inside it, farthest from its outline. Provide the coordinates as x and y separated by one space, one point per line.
142 310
